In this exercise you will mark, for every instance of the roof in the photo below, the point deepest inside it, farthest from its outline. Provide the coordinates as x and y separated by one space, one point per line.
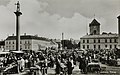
100 36
94 22
28 37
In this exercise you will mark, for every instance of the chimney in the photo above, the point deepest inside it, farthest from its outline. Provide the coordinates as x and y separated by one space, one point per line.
12 34
118 32
24 34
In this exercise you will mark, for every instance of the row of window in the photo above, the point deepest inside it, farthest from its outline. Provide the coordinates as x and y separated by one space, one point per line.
99 46
13 47
12 42
99 41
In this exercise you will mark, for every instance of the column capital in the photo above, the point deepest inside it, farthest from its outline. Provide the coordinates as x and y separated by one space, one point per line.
18 13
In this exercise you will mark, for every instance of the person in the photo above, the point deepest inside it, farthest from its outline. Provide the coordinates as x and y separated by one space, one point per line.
51 61
80 62
22 64
58 66
45 65
84 64
69 66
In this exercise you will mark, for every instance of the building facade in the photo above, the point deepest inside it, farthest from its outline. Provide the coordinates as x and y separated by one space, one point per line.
29 42
98 41
2 45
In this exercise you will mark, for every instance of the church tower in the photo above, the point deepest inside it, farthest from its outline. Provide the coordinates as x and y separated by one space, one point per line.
94 27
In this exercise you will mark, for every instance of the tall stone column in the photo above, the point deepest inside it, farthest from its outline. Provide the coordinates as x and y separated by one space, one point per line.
118 32
62 41
17 13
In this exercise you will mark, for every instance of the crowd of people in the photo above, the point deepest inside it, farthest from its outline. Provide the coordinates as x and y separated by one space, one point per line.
63 61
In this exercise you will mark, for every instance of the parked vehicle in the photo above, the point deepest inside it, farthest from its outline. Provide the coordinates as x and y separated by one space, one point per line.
3 54
17 53
93 67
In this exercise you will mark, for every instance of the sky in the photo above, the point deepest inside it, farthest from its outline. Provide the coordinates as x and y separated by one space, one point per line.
51 18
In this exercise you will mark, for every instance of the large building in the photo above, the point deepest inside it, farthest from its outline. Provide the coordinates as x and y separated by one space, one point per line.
29 42
95 40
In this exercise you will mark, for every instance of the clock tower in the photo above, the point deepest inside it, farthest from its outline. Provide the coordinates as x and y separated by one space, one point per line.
94 27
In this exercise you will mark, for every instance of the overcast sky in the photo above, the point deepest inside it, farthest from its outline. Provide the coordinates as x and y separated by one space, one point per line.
49 18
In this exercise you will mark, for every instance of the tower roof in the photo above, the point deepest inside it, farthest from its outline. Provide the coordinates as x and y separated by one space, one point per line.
94 23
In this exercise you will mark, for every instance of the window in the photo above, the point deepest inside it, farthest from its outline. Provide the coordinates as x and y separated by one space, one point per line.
94 46
28 42
83 46
98 40
110 40
20 46
25 42
105 46
13 47
28 47
9 47
115 40
9 42
94 41
20 42
110 46
83 41
25 47
95 31
13 42
87 41
115 46
87 46
98 46
105 40
6 42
